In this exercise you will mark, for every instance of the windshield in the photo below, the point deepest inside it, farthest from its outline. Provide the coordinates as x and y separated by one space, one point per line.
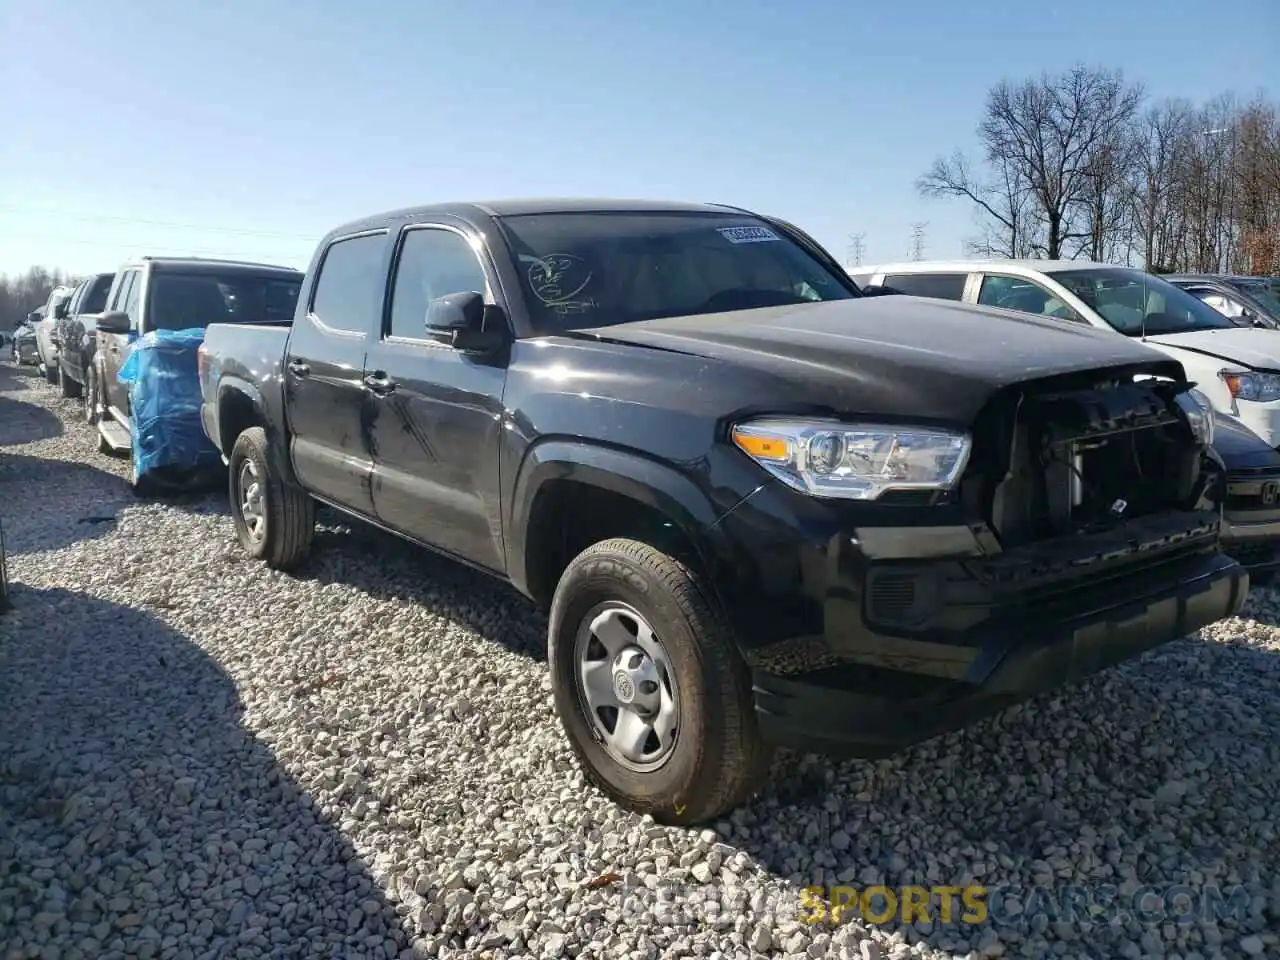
582 270
1268 297
1134 302
179 301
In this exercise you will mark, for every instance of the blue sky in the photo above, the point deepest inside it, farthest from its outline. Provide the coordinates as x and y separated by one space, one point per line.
250 128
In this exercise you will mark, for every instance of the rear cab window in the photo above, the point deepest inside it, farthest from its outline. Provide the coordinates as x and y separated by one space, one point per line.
585 270
938 286
349 287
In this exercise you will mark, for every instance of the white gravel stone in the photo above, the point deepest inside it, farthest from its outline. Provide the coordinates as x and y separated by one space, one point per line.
202 758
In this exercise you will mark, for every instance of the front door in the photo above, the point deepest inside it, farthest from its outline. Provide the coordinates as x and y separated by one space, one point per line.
114 347
324 369
436 412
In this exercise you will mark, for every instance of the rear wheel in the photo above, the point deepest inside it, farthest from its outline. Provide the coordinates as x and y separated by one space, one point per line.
66 386
51 373
91 395
274 520
650 687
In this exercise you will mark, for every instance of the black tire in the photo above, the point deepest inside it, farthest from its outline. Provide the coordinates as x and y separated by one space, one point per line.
51 373
287 513
66 386
145 487
91 394
718 758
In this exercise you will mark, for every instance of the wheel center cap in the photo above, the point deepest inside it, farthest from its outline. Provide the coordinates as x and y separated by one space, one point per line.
624 687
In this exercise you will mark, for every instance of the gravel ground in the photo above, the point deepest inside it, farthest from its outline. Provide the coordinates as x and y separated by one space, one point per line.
202 758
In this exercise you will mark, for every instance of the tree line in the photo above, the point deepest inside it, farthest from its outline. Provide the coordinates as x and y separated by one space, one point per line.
21 294
1082 164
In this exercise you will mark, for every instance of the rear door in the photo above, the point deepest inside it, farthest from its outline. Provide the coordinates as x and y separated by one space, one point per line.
324 370
1024 295
113 347
436 413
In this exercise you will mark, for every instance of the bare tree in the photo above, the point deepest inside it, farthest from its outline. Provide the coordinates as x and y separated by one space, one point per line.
1157 218
1048 136
1003 201
1256 176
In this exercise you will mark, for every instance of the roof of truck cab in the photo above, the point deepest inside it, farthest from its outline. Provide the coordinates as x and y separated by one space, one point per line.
516 207
972 266
205 265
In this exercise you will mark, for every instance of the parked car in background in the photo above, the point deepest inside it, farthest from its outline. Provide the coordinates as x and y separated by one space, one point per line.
46 332
76 333
171 293
1251 511
24 345
759 507
1251 521
1245 301
1237 368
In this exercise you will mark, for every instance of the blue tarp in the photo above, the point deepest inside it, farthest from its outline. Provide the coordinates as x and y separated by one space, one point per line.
164 402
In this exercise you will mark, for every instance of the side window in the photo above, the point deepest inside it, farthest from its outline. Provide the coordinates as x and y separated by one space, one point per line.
122 291
432 263
134 294
1220 302
347 293
939 286
1027 296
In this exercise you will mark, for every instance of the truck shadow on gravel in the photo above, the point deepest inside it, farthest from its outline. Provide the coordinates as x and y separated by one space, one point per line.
382 565
139 817
48 504
22 422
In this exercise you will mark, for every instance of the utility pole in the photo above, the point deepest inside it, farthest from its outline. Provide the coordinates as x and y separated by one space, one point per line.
856 248
917 239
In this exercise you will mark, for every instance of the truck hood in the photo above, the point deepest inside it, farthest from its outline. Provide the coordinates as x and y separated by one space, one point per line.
892 356
1254 347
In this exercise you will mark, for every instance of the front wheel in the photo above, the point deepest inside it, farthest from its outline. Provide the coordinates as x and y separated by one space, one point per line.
274 520
51 372
650 687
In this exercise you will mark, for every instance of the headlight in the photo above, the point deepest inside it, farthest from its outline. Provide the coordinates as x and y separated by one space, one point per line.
854 461
1199 413
1262 387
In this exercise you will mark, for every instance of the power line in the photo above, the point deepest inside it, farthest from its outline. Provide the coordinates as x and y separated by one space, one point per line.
107 218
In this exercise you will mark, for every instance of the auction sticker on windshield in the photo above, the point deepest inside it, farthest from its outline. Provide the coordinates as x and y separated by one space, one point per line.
747 234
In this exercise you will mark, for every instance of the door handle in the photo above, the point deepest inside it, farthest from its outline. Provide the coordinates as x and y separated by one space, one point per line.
298 368
380 383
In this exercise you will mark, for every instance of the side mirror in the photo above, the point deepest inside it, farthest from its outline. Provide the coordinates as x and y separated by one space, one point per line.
465 321
117 321
62 310
877 290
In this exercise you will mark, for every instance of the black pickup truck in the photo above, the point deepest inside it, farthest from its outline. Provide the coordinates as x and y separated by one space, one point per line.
760 508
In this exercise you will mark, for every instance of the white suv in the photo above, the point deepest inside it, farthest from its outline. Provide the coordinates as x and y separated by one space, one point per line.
1237 368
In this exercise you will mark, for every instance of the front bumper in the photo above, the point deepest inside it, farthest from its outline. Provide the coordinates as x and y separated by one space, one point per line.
862 638
1251 520
869 712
